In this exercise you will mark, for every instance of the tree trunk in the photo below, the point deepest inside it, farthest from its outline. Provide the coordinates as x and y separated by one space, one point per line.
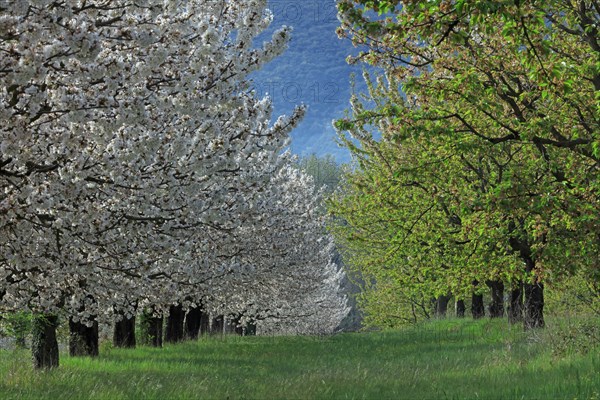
124 333
534 306
152 329
155 331
83 339
250 329
533 309
515 309
229 326
441 306
174 332
460 308
192 323
477 307
216 327
497 305
204 324
534 301
238 330
44 346
233 326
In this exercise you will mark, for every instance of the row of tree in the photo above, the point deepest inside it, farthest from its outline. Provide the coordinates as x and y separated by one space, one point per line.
477 150
140 173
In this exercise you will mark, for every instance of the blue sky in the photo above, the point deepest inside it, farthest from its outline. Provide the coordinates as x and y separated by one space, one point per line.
312 71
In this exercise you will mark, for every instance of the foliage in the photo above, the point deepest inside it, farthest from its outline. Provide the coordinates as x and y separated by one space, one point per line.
325 171
574 295
138 169
575 335
328 175
487 167
16 325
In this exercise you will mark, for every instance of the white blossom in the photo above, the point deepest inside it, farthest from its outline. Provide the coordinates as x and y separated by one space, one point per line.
137 169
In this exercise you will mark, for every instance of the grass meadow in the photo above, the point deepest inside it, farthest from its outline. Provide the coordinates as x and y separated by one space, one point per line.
452 359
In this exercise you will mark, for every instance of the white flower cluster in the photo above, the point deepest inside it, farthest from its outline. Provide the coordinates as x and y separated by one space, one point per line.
137 169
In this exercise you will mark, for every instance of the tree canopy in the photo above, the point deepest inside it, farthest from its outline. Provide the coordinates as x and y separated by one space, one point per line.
139 169
487 168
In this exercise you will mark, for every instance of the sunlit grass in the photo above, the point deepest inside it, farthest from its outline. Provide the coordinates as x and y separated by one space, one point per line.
443 359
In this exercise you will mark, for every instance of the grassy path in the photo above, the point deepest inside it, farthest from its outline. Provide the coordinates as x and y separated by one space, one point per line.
440 360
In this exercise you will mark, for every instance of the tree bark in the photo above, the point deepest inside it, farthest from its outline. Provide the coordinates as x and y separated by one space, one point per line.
515 309
83 339
44 346
174 331
216 327
534 300
441 306
477 307
233 326
205 324
250 329
460 308
192 323
229 326
497 305
124 333
533 308
238 330
152 329
155 331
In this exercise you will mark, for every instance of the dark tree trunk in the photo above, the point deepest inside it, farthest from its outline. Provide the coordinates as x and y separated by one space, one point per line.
44 346
238 330
477 307
515 309
216 327
204 324
250 329
497 305
460 308
155 331
533 308
152 329
192 323
534 301
83 339
441 306
229 326
174 332
124 334
233 326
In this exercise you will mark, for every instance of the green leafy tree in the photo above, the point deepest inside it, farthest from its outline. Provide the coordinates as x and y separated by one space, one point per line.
326 172
492 109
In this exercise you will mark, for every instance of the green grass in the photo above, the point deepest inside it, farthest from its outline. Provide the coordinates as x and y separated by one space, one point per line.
439 360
